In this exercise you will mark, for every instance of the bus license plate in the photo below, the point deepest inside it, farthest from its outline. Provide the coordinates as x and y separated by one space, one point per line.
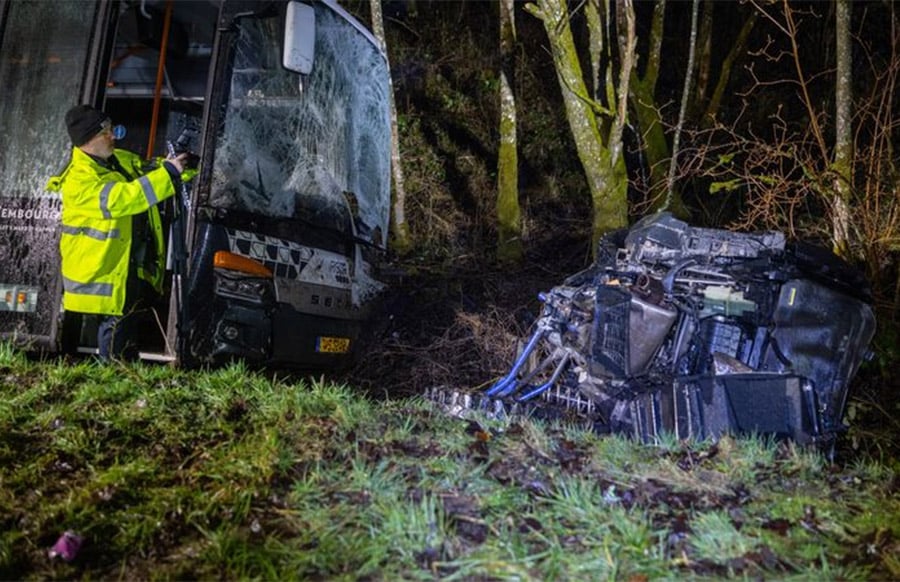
333 345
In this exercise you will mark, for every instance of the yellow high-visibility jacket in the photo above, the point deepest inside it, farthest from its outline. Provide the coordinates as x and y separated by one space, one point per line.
95 240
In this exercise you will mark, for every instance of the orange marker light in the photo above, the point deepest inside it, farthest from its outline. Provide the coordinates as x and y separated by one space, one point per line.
226 260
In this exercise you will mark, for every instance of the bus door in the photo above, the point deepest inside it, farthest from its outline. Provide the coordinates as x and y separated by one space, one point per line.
159 94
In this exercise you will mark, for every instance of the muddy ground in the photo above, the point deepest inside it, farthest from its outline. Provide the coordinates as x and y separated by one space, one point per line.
458 325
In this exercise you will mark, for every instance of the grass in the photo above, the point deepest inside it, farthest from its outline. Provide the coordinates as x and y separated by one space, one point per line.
168 474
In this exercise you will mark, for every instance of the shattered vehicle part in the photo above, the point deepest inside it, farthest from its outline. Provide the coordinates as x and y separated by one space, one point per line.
699 332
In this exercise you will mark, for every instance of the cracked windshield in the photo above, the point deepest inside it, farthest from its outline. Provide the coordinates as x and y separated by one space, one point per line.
327 168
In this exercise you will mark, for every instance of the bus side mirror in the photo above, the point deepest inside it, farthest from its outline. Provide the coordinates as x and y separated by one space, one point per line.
299 38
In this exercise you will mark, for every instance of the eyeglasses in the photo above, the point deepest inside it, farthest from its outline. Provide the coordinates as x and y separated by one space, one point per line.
118 131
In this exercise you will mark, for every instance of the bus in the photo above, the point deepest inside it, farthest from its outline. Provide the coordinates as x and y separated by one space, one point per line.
273 247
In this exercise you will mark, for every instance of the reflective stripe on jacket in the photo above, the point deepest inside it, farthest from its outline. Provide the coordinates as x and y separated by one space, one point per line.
95 240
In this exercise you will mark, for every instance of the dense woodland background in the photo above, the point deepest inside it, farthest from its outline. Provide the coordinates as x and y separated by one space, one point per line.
445 58
764 155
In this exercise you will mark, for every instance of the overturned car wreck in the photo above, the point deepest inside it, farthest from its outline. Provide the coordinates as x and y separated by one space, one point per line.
699 332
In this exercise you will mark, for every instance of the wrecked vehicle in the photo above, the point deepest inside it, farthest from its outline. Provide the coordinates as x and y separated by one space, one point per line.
699 332
274 247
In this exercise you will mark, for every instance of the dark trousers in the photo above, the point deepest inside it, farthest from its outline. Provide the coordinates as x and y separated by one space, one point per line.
118 336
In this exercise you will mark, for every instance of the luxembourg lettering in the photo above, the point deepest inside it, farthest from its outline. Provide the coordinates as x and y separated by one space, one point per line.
29 213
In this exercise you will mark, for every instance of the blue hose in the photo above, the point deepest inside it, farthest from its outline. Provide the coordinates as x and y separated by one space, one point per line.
510 379
527 378
546 386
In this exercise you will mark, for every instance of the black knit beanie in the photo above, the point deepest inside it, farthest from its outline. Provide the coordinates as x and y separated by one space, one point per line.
84 122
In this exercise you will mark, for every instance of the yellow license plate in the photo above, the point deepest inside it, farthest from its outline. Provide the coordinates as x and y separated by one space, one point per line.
333 345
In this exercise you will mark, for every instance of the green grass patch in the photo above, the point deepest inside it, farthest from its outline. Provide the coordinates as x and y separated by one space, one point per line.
168 474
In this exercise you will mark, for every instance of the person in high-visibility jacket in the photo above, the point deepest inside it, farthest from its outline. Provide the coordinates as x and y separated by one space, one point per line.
111 243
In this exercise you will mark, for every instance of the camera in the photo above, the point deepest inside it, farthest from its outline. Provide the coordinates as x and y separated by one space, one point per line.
184 144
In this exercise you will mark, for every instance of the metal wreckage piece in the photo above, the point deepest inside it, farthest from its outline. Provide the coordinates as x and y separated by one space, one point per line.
694 332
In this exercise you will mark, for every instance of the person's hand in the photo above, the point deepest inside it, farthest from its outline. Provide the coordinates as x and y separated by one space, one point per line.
178 161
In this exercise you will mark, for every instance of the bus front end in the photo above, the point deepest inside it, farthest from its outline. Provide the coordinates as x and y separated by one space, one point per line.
293 198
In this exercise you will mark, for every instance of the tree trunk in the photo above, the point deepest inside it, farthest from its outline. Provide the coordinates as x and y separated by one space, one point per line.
843 149
704 58
602 160
685 97
595 46
399 227
509 215
715 101
649 120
